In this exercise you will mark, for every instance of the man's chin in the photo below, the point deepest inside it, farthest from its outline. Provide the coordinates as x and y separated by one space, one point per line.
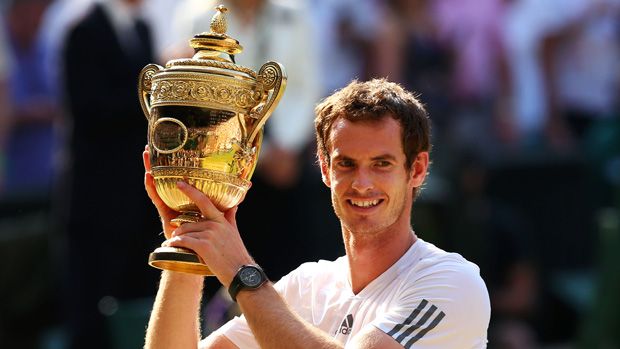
366 228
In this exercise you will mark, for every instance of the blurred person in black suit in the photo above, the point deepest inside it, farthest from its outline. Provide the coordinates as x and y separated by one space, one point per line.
4 97
106 262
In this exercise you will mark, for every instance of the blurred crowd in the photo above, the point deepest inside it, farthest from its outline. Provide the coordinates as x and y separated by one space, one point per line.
524 97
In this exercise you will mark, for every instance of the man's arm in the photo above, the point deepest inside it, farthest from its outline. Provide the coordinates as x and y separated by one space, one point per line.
174 319
273 323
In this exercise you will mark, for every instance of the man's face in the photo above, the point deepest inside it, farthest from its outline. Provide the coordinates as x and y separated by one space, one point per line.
370 187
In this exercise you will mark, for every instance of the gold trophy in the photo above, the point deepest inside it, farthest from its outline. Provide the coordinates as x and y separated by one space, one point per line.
205 126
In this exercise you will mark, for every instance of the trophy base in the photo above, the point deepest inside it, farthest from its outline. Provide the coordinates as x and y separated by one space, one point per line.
178 259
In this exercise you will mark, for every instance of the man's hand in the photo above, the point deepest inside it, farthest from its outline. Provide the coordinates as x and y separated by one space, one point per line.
215 238
165 213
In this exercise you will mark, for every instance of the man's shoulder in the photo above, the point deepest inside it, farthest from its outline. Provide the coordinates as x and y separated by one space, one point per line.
431 258
431 265
450 284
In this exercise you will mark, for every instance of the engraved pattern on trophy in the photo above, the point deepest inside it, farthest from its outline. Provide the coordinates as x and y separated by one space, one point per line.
178 89
205 125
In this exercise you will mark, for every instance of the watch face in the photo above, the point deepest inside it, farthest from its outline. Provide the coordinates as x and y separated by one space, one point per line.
250 276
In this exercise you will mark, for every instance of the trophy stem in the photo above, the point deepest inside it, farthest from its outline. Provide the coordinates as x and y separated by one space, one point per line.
178 258
186 217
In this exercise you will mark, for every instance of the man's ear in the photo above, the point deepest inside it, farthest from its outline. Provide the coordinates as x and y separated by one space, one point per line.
324 170
419 168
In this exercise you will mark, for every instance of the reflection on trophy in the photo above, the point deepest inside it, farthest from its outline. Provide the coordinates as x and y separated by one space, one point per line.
205 125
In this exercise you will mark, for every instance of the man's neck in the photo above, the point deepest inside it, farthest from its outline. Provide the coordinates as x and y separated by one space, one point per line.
371 256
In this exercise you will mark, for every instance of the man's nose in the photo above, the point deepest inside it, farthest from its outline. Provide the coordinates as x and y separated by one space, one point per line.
362 181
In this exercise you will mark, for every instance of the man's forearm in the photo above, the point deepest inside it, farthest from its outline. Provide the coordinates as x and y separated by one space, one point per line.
174 321
275 325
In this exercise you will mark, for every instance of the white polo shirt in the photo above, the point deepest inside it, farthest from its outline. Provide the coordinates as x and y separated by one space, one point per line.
428 299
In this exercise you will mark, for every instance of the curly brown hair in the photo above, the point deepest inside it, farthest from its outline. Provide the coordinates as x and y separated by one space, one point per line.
371 101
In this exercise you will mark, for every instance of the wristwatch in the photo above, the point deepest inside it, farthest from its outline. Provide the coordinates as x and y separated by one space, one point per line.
249 277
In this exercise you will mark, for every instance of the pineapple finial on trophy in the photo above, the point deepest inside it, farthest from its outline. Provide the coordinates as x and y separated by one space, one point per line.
218 21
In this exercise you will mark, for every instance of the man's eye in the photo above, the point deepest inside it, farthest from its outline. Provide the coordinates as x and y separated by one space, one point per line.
383 163
345 163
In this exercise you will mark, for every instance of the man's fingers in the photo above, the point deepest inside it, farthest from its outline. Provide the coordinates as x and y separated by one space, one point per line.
192 227
163 209
231 216
149 184
146 159
188 241
207 208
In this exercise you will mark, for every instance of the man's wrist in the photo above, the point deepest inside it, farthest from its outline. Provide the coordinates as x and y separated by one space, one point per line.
179 278
249 277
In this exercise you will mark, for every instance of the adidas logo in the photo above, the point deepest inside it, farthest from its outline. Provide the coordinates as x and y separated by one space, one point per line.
347 325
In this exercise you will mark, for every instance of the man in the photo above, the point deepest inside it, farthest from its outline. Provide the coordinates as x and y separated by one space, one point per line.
391 290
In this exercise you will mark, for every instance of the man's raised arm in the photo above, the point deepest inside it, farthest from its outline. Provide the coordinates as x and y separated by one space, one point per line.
174 321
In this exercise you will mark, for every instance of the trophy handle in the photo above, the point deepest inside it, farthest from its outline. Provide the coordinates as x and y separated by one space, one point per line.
145 83
273 78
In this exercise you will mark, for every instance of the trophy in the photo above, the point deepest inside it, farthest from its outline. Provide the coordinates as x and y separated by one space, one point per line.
205 126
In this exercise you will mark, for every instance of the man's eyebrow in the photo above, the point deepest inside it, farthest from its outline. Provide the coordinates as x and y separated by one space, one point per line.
384 157
341 157
381 157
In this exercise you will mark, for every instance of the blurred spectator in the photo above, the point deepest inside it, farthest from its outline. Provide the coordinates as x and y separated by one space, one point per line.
471 28
471 32
409 50
106 262
343 32
564 62
450 53
586 66
32 141
4 100
29 120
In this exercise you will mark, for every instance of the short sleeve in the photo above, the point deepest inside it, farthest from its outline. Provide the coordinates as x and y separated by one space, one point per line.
446 308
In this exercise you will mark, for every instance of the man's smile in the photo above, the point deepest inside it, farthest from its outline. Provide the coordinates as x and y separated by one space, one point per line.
364 203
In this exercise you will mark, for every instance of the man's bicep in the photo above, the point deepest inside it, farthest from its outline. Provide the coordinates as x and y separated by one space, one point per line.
371 337
217 340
